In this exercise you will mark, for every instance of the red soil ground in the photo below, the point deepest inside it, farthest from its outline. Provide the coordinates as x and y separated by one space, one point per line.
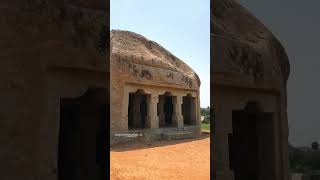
179 159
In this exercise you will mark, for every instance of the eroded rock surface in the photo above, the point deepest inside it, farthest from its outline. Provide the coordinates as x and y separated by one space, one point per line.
133 49
138 63
48 50
246 46
249 66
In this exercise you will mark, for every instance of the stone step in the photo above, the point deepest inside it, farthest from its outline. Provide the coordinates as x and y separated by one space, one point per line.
177 135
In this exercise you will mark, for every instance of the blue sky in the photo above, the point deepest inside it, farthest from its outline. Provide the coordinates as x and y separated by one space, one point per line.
180 26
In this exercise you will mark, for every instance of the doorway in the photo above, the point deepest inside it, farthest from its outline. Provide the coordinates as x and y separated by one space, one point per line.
165 110
189 110
251 145
168 110
137 110
82 136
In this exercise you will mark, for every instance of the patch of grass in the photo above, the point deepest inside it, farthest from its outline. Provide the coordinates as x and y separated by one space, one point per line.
304 162
205 126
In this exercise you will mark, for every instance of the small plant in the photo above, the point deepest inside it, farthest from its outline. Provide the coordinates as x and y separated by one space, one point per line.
315 145
205 126
304 161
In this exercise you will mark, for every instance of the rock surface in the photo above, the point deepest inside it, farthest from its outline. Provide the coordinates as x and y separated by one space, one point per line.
142 51
48 49
248 65
138 63
246 46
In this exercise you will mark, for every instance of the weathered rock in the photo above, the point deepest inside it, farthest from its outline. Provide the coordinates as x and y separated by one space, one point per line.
247 49
49 51
138 63
249 73
132 49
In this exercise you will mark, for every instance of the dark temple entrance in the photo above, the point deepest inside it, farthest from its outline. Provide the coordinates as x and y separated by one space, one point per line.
189 110
168 110
82 136
165 110
137 110
251 146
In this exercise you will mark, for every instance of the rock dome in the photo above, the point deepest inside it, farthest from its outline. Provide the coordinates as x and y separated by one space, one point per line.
139 50
249 76
245 48
152 91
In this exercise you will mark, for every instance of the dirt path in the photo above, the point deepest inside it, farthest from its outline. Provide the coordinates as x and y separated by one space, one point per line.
180 159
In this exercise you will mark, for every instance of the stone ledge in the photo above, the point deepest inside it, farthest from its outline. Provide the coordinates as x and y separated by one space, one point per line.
149 135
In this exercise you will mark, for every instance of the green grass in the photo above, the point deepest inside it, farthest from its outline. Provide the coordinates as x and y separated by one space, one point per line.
205 126
304 162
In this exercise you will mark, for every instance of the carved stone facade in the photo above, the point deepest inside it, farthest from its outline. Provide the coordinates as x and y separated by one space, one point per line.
148 88
245 60
249 73
50 63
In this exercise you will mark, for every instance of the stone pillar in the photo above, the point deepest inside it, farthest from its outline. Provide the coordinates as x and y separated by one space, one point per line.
152 117
124 114
177 116
161 110
198 112
223 127
193 109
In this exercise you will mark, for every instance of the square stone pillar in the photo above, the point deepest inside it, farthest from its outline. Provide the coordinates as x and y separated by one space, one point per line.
161 111
193 109
152 117
124 114
177 116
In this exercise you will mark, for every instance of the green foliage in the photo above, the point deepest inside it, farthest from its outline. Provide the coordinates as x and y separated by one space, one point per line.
205 126
315 145
301 161
205 111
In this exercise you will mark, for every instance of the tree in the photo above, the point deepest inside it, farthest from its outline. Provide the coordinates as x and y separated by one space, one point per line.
205 112
315 145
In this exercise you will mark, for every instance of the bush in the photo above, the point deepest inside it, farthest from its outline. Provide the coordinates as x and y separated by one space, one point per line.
301 161
206 121
205 126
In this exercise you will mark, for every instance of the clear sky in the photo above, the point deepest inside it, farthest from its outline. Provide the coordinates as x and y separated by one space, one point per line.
296 25
180 26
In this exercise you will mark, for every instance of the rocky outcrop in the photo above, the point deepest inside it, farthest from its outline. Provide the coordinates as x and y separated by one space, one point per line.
131 48
137 63
246 46
43 42
248 65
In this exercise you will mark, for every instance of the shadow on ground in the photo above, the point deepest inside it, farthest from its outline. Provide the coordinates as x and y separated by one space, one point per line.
140 145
